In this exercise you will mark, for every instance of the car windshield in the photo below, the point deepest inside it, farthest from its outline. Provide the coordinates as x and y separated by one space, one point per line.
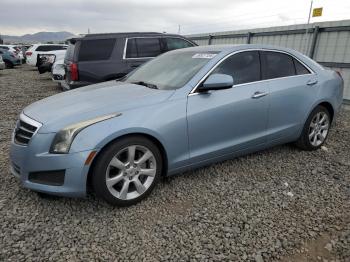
171 70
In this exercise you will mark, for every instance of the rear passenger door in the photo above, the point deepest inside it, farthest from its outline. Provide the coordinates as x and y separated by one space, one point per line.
141 49
292 87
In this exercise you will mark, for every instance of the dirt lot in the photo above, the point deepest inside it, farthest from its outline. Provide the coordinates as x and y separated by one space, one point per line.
279 204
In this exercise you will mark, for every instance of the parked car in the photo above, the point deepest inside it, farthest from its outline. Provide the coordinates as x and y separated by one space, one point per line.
9 58
182 110
101 57
9 48
33 52
45 61
19 52
2 63
13 49
58 73
24 49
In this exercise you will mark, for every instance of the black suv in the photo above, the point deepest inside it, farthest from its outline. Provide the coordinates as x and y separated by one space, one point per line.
96 58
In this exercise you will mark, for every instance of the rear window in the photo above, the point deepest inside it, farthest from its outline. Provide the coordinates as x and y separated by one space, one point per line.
143 47
45 48
70 52
99 49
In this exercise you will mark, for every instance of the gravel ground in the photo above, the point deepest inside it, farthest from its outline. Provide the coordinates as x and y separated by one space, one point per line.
279 204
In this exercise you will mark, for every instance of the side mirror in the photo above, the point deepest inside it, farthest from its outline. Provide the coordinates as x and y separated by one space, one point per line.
217 82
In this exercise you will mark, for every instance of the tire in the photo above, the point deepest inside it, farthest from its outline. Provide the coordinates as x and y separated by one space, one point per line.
130 179
8 64
315 130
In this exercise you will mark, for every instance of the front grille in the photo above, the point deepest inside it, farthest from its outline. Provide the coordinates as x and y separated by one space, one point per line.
25 129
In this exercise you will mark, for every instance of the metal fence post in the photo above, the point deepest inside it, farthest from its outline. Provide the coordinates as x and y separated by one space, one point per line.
209 39
249 35
314 41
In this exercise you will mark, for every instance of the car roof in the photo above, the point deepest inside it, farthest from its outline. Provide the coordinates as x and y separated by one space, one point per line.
121 35
231 48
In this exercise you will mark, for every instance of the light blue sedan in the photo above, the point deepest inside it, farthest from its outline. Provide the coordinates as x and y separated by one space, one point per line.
184 109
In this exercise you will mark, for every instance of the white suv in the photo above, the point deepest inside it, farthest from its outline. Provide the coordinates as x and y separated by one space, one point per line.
33 52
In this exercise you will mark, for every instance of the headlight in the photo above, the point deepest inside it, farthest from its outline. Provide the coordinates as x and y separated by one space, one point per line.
64 138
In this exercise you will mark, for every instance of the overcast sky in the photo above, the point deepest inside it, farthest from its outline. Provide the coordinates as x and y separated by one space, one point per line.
194 16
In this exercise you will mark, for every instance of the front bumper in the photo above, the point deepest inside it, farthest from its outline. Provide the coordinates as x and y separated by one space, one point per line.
77 84
35 158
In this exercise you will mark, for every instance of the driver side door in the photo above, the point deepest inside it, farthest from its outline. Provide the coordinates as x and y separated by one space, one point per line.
221 122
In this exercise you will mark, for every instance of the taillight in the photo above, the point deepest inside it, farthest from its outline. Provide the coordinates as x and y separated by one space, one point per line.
29 53
74 72
12 55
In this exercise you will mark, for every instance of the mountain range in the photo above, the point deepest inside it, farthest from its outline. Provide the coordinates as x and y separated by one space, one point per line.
41 37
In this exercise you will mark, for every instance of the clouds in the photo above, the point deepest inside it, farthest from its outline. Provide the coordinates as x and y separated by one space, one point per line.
194 16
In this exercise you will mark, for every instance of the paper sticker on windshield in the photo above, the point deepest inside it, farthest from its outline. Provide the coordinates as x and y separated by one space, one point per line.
204 55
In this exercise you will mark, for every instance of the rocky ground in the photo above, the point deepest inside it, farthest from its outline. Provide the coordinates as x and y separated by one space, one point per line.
280 204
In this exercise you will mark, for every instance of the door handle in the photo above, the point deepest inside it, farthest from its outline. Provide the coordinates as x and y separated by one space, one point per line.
259 94
311 82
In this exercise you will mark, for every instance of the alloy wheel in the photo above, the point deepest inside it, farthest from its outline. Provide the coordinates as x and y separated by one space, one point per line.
131 172
318 129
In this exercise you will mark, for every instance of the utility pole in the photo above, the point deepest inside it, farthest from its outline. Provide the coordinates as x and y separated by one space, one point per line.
179 30
88 30
307 29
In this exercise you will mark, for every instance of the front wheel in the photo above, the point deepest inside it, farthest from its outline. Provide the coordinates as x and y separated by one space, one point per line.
127 171
315 130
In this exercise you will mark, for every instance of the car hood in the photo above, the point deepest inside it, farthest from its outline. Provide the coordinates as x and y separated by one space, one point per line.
61 110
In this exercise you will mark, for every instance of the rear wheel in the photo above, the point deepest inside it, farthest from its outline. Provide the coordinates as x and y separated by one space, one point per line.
315 130
8 64
127 171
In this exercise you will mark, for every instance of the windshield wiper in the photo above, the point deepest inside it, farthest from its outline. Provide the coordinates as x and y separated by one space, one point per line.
145 84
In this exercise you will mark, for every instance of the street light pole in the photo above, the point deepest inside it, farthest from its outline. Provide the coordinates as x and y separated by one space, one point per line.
307 29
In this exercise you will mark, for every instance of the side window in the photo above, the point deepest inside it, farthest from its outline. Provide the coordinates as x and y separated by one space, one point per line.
300 69
244 67
177 43
277 65
143 47
131 49
148 47
93 50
